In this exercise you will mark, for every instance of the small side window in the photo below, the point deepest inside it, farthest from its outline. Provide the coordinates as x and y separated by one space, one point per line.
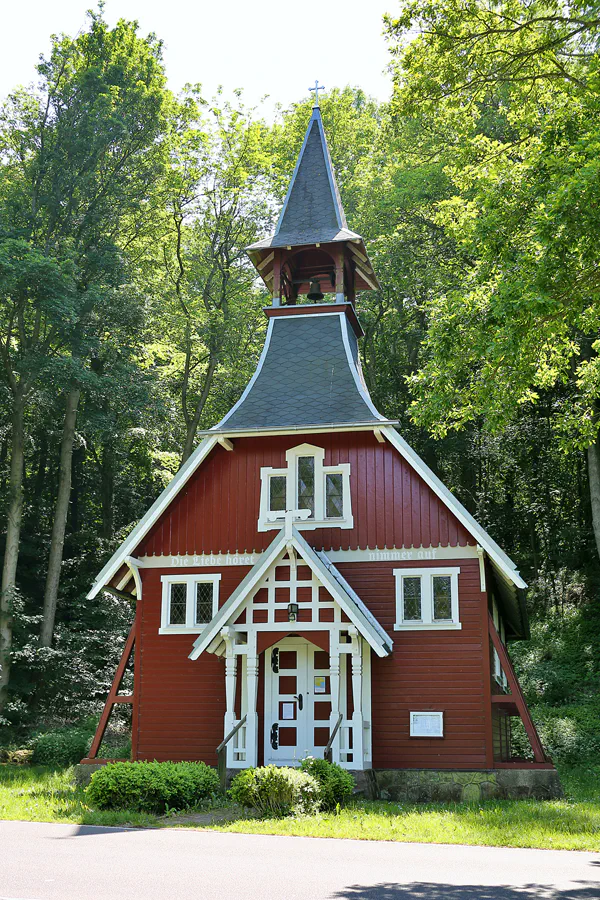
189 602
427 599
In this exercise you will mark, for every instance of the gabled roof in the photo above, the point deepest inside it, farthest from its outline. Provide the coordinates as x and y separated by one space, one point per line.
308 375
312 211
338 587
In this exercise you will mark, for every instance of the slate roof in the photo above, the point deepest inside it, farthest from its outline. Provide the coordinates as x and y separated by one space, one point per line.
308 375
312 212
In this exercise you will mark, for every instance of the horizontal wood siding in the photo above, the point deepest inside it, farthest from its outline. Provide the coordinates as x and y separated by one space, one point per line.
181 704
428 670
217 511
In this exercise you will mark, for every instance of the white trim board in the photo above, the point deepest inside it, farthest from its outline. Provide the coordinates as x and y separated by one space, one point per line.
385 554
342 593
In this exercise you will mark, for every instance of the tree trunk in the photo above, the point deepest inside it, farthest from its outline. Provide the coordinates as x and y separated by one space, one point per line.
593 460
190 437
11 551
107 477
61 511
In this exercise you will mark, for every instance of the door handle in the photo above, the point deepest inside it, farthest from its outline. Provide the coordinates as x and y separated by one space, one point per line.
300 700
275 736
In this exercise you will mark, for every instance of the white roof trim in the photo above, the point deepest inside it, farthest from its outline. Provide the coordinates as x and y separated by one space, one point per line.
360 386
348 600
158 507
496 554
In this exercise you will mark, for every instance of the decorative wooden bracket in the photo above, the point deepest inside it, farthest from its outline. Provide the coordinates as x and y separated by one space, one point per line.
113 697
516 694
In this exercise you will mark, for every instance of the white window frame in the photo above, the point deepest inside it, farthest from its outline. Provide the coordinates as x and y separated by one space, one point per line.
424 712
427 622
190 581
498 672
319 520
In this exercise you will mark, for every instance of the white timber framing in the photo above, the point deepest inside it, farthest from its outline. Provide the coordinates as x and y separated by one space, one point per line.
290 571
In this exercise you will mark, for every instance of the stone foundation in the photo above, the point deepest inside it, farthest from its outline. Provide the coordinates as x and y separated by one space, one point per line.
430 785
84 772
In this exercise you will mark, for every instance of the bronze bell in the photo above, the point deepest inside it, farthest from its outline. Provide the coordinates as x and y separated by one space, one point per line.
315 292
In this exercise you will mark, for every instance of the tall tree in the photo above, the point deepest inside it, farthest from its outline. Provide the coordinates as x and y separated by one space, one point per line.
81 156
515 86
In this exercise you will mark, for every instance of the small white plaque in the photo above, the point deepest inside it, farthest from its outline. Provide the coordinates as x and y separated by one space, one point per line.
288 710
427 724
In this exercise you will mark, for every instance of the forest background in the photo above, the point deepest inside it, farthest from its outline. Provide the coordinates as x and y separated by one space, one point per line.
131 318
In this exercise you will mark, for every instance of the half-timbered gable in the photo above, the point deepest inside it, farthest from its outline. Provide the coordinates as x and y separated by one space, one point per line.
306 584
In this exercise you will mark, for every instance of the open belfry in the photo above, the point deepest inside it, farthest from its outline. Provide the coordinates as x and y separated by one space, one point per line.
306 585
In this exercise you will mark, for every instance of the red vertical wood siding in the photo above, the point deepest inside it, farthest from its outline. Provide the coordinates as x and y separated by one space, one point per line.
427 670
181 703
217 511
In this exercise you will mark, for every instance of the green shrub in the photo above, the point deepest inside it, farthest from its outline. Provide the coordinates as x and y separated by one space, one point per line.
152 786
277 791
336 784
569 733
60 748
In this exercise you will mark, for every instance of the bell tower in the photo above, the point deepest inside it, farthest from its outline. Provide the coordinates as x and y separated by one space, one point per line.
313 254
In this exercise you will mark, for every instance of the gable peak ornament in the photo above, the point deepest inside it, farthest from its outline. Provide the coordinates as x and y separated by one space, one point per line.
318 87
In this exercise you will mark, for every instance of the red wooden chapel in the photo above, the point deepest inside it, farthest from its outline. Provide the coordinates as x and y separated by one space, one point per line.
306 584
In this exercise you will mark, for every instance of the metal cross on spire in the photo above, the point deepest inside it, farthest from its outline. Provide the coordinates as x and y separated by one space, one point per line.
318 87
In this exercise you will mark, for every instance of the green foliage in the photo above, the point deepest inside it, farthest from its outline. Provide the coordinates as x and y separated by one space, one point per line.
336 784
152 786
277 791
61 748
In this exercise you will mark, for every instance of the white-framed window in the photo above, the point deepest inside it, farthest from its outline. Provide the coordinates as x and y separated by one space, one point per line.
497 670
427 599
306 483
427 724
188 602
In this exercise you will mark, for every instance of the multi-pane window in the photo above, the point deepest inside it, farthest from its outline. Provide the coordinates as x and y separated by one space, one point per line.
277 491
177 603
204 602
411 596
442 598
334 495
306 484
189 602
427 598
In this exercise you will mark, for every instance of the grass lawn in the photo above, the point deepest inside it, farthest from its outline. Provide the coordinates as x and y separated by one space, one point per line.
42 795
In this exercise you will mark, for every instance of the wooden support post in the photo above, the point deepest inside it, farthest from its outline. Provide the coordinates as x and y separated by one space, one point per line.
517 693
113 697
339 274
276 290
357 714
334 680
252 695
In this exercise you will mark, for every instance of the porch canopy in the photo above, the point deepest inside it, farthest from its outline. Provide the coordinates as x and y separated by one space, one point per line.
295 591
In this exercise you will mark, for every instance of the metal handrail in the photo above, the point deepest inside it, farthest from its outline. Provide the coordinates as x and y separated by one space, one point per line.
327 752
231 734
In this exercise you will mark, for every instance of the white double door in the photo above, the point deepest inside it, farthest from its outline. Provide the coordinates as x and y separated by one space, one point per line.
297 701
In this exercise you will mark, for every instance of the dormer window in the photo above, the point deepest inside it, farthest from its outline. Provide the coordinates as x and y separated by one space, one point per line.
306 483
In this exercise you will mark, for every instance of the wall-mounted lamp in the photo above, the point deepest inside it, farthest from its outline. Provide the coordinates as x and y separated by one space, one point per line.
292 612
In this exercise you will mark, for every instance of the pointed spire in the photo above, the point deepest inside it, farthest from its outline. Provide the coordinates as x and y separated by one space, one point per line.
312 211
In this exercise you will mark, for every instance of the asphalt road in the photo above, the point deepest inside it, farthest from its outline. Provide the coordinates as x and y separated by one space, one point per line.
71 862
